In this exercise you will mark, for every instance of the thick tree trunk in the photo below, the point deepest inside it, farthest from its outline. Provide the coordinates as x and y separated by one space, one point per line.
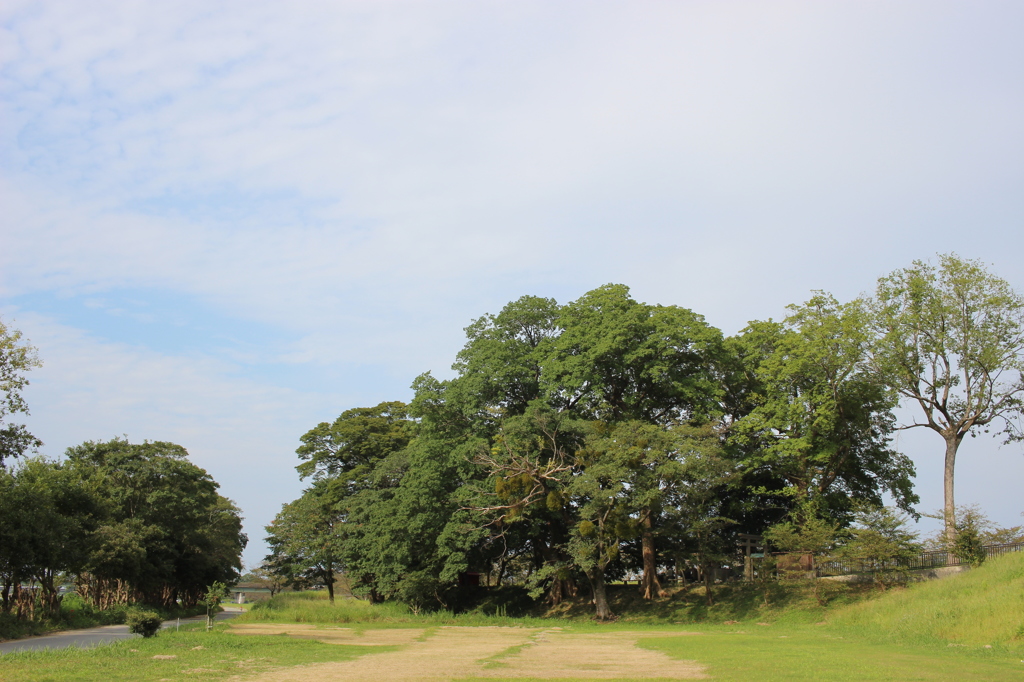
949 509
602 610
561 587
329 582
501 572
708 582
50 598
650 587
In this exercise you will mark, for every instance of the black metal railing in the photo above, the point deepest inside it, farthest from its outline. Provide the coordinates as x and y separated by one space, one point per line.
925 560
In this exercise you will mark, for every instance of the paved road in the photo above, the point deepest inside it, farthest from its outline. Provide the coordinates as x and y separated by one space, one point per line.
93 636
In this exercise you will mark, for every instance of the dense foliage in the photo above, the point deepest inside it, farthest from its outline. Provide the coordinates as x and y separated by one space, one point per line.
127 523
600 439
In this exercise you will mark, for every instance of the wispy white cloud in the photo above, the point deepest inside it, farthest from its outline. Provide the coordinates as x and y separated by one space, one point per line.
243 431
364 179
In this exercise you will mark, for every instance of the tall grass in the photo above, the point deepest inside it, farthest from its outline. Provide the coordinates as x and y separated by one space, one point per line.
984 606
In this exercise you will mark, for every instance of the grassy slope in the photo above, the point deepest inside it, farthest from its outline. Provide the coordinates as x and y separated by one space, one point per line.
808 653
982 607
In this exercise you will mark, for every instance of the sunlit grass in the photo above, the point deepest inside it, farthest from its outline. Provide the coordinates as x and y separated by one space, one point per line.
982 607
189 654
811 653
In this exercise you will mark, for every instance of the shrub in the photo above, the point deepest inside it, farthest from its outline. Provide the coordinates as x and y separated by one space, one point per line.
882 543
145 623
968 547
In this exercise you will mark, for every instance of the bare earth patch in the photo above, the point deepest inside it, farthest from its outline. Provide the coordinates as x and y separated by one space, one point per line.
596 655
455 652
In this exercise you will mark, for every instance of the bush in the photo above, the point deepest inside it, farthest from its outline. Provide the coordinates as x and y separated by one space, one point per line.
883 544
968 547
145 623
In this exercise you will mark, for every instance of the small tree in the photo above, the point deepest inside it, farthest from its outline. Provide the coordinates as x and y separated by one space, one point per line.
968 546
997 535
806 533
16 358
305 540
216 592
882 543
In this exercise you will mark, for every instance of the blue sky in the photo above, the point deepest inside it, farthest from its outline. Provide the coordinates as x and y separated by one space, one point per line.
225 222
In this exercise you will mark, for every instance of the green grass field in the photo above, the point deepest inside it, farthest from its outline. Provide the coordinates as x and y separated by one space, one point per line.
189 654
968 627
805 653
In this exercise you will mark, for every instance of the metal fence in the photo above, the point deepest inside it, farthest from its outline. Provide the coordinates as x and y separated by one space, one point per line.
925 560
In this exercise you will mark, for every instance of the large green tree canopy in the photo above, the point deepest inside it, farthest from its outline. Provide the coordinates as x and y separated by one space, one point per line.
598 438
950 340
165 532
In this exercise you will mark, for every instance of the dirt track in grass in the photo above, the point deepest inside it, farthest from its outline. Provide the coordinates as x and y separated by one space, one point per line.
448 653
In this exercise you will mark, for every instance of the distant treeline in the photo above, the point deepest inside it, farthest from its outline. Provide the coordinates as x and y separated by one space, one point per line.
126 523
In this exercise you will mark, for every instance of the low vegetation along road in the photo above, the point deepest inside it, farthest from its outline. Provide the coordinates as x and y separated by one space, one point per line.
93 636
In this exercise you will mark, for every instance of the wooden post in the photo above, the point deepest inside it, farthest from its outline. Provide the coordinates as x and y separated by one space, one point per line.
749 543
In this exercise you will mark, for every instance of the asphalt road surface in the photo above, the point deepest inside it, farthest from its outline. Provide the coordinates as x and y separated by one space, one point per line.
94 636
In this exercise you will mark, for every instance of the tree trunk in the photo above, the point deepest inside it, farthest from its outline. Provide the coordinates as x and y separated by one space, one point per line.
949 510
603 611
5 594
500 572
562 586
708 582
49 596
329 582
650 586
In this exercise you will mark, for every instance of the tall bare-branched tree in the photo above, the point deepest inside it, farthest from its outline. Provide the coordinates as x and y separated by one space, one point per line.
950 340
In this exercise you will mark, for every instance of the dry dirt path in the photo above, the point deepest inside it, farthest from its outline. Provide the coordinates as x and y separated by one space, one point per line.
449 653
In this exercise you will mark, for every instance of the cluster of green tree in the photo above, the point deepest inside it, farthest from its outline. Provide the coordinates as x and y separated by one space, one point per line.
605 436
127 523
